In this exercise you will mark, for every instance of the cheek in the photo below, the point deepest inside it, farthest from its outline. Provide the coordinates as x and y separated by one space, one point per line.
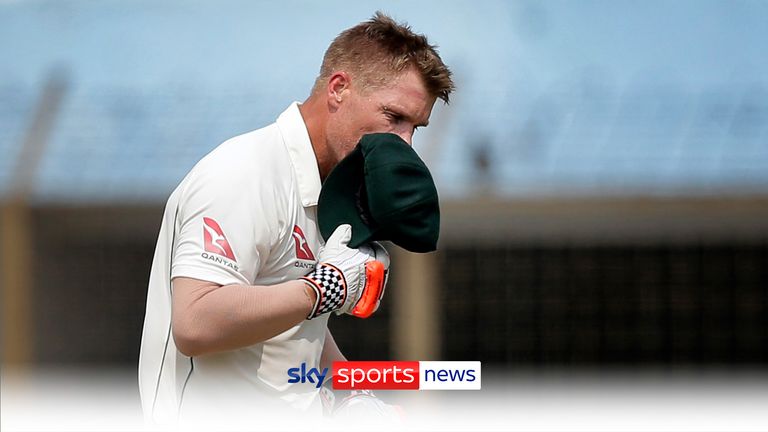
372 123
353 119
360 118
344 134
344 125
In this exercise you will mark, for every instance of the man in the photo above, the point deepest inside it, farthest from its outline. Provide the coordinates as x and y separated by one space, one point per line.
228 312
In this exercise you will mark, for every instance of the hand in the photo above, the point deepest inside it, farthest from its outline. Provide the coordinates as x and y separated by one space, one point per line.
363 405
348 280
373 290
357 405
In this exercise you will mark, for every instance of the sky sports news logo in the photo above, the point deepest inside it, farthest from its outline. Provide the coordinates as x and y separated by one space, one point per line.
392 375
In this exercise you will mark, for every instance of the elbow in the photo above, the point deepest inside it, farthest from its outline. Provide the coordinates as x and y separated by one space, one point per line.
187 344
189 340
192 328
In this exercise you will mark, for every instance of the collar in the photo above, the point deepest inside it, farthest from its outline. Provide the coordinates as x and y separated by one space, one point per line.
299 146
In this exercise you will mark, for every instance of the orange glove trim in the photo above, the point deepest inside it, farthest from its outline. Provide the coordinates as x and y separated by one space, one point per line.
374 286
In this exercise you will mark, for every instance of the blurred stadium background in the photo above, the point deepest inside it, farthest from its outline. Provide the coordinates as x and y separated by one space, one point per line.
603 171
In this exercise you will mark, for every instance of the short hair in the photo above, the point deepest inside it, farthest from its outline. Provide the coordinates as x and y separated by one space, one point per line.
383 45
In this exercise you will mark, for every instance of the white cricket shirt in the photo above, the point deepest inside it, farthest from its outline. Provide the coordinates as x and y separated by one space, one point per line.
245 214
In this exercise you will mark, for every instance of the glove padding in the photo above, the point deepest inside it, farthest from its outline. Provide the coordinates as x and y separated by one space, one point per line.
346 280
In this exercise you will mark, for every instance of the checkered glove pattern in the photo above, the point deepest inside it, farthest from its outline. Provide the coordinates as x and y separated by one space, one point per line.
347 280
330 287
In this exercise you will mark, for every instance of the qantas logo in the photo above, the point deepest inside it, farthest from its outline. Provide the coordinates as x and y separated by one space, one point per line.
302 247
215 240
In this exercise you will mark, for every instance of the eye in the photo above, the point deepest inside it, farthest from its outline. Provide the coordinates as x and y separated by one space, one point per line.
391 116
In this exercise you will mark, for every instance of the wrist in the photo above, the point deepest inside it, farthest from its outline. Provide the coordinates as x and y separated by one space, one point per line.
310 293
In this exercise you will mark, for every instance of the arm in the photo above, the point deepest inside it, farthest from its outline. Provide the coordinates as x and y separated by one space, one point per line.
209 318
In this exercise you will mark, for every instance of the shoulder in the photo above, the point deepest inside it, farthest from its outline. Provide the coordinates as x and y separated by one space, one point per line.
256 159
250 168
260 148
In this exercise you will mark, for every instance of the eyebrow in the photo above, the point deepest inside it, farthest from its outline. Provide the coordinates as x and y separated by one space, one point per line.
398 111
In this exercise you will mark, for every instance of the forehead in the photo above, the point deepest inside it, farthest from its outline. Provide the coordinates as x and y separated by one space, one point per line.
406 92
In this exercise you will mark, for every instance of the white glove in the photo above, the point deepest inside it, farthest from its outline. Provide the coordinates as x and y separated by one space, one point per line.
346 280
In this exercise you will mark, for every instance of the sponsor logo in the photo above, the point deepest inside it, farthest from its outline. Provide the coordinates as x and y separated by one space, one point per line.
304 265
215 240
219 260
376 375
393 375
303 375
451 375
303 252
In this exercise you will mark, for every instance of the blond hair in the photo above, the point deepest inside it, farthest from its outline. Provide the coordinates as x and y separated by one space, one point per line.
376 51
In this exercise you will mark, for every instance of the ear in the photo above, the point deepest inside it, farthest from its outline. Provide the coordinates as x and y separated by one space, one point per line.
338 87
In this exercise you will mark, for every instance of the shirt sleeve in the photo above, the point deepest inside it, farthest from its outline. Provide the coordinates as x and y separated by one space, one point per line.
223 229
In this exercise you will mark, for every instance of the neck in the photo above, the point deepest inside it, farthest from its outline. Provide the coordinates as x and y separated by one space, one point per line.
315 115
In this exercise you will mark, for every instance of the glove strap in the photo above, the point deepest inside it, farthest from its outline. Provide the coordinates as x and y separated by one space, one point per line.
330 287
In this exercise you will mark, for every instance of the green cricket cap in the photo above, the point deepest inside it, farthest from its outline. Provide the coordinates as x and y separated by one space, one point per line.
385 192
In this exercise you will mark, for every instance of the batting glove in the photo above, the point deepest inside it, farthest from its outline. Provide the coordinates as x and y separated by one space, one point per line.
346 280
363 405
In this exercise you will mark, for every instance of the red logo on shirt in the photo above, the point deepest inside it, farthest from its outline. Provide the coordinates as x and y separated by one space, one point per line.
302 247
215 240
